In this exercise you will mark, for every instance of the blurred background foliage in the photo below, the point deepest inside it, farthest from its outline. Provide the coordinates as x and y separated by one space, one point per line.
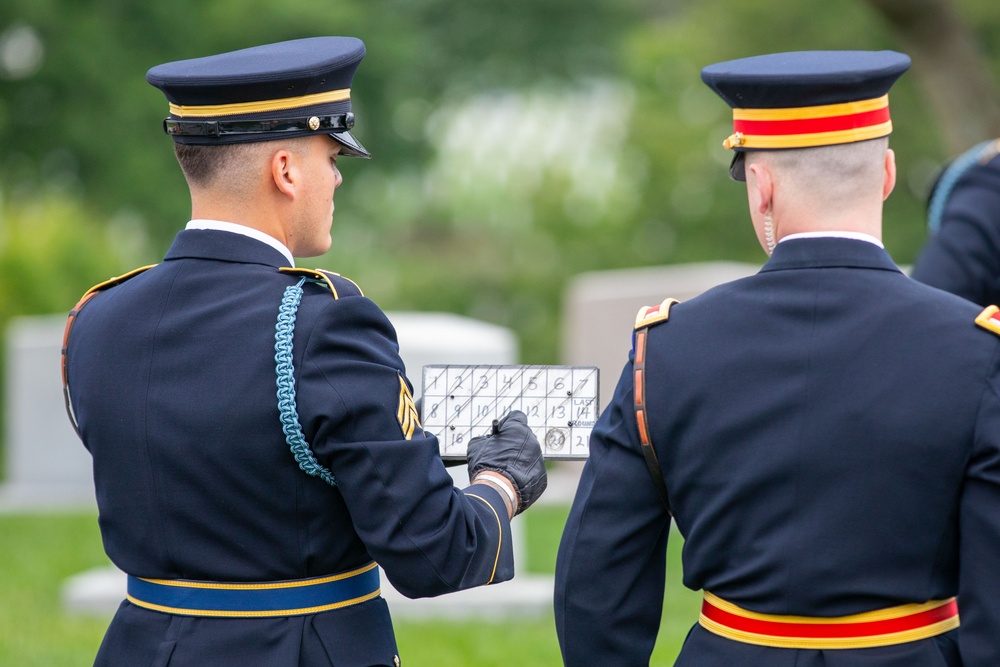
516 143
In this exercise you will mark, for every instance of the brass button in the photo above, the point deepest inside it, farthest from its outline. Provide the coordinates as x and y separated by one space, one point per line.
395 660
314 123
734 140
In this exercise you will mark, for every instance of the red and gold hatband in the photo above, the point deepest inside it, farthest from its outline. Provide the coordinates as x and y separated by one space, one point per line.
804 127
883 627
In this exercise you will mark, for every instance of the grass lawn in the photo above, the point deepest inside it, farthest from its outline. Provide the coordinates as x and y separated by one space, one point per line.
39 551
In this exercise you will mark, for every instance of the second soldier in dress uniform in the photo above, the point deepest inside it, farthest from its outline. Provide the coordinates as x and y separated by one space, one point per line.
825 433
962 254
256 448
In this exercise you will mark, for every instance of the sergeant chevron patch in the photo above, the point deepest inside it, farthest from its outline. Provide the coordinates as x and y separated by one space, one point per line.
989 319
406 414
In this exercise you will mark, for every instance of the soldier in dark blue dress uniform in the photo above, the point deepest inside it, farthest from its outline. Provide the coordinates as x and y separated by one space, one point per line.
255 443
825 433
962 254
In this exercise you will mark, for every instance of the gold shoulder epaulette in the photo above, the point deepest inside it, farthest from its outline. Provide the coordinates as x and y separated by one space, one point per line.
117 280
649 315
989 319
327 277
350 282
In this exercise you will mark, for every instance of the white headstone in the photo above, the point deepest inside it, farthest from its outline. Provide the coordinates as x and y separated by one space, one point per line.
46 465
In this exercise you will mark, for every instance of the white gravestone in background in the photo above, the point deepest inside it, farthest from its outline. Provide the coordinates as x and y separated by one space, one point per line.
46 465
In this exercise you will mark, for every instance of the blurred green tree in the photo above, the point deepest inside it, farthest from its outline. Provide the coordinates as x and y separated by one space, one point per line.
75 110
42 242
951 66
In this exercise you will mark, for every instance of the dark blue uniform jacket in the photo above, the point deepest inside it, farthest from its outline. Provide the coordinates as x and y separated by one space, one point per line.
172 377
963 255
829 434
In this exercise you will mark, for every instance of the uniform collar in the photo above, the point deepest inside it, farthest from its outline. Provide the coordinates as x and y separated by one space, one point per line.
828 252
234 228
860 236
224 246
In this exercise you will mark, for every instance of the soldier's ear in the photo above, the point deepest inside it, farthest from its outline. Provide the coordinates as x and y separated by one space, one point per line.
284 172
760 188
890 174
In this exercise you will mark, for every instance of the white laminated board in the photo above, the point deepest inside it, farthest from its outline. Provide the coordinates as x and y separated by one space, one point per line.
463 401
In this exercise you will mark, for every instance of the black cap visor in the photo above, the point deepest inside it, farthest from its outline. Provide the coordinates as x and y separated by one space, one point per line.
737 168
351 147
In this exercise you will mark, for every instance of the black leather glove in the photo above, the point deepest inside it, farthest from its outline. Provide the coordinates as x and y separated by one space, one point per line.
514 452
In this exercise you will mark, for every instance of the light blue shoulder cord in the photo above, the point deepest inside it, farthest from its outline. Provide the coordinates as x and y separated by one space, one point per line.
954 171
283 332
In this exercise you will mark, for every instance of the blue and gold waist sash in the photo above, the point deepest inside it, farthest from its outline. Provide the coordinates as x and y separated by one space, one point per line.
256 599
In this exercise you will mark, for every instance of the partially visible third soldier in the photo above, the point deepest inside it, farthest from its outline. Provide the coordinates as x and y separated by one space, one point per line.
962 253
256 448
825 433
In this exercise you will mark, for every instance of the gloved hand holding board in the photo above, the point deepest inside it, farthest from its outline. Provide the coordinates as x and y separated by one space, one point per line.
462 402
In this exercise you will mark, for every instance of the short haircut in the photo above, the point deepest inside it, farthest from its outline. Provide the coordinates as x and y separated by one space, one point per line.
829 173
215 165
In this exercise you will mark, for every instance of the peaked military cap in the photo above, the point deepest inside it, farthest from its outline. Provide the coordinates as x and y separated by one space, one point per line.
805 98
284 90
